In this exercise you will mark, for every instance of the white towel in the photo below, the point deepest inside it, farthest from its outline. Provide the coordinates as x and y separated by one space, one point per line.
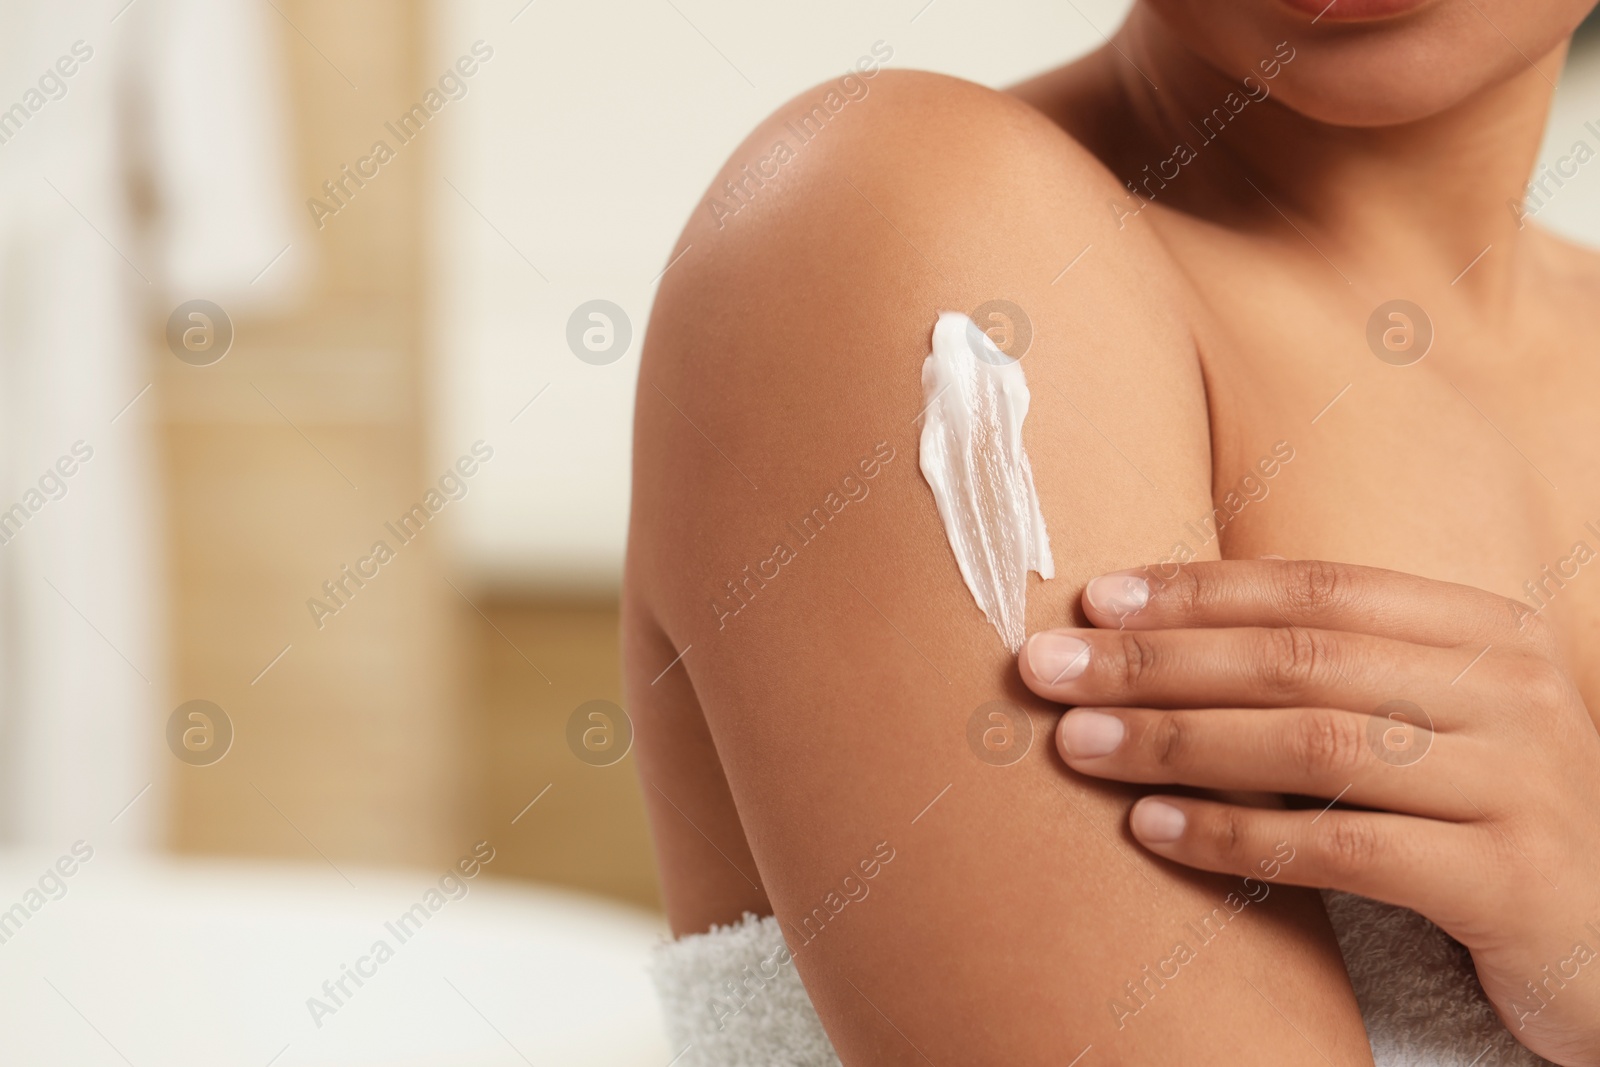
1419 995
732 997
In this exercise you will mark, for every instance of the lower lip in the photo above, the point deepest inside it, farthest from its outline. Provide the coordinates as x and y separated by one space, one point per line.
1354 10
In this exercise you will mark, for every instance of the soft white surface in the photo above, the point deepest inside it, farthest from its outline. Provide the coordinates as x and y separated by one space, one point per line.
207 963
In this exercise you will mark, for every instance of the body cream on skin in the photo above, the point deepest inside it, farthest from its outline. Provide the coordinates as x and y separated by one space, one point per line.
972 457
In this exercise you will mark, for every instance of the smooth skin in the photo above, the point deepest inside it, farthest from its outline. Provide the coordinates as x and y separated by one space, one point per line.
1189 340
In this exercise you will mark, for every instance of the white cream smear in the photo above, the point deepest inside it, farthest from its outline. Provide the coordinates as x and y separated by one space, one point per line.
972 456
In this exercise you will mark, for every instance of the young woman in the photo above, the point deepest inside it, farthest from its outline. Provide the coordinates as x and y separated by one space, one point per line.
1314 394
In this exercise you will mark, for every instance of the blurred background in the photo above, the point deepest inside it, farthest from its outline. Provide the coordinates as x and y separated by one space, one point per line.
282 281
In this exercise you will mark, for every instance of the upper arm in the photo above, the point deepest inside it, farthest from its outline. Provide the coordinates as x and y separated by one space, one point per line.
837 667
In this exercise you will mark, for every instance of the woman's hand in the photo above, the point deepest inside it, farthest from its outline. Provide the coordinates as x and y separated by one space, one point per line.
1440 712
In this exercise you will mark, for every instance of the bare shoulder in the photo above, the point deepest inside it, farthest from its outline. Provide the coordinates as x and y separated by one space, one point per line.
808 279
970 169
831 677
938 128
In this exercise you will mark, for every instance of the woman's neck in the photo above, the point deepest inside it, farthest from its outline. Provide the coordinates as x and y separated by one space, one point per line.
1426 198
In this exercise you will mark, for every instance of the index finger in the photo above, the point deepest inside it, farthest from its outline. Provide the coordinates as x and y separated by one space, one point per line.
1329 596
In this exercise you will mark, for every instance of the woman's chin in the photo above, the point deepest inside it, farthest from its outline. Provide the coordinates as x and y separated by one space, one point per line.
1370 96
1354 10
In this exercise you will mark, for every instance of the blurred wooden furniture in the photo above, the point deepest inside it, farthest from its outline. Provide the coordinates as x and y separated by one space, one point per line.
588 831
406 725
283 461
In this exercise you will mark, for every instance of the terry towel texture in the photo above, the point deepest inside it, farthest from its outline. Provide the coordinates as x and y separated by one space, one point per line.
732 997
1419 995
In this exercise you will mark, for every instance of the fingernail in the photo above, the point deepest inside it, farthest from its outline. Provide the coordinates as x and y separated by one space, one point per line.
1156 822
1118 594
1089 734
1057 657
